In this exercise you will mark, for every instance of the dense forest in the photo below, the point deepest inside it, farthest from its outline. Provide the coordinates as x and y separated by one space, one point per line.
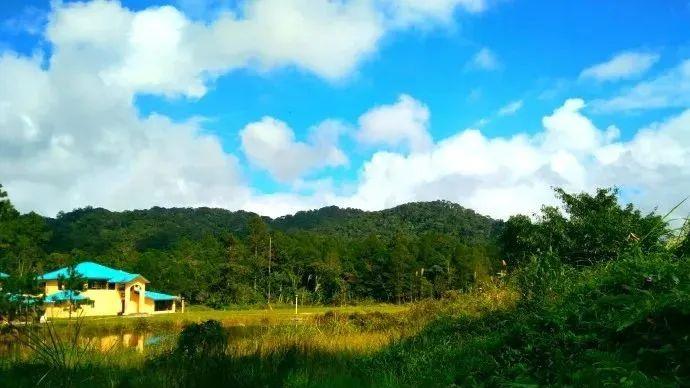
330 255
219 257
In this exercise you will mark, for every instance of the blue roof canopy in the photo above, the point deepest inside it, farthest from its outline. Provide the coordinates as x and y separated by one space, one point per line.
3 275
158 296
94 271
65 295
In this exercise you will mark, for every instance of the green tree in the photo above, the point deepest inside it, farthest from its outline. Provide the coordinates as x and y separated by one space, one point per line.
73 285
518 240
590 229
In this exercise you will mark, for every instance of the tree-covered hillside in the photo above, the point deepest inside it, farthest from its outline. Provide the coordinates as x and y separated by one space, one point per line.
418 217
220 257
95 230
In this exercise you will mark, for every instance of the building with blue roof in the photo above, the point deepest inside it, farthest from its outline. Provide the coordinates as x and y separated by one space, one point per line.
107 291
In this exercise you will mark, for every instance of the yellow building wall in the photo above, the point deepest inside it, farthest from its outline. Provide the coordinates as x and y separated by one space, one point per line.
51 287
149 306
105 302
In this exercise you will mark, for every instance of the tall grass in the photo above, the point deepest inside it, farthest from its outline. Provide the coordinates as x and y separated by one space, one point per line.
621 323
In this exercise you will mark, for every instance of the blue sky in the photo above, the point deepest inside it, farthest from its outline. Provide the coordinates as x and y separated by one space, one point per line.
494 69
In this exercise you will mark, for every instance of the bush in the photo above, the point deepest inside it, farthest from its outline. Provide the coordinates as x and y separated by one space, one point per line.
202 340
594 229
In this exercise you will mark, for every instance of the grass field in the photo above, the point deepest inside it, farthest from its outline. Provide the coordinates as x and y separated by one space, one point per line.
262 345
280 314
622 323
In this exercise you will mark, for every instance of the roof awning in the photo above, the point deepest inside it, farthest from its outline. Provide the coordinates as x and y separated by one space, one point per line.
65 295
158 296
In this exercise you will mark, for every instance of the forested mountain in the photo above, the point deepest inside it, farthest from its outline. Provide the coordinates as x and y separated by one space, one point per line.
97 230
417 217
220 257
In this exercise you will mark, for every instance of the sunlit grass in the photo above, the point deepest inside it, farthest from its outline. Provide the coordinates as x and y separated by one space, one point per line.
316 343
276 315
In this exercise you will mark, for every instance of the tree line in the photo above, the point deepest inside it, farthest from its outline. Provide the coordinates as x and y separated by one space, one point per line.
218 257
331 255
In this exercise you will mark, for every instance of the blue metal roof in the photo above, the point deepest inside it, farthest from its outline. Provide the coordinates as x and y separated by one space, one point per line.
4 275
65 295
94 271
159 296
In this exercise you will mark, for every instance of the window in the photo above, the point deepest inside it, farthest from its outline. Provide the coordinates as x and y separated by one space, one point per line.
98 285
162 305
111 286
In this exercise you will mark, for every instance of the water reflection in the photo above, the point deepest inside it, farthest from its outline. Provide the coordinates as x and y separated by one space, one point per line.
139 341
130 340
12 347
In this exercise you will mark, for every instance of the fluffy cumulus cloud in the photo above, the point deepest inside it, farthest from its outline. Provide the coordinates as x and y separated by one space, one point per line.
159 50
404 123
271 144
71 136
624 65
502 176
66 140
671 89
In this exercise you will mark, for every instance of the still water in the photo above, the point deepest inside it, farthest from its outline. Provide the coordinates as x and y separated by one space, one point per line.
137 341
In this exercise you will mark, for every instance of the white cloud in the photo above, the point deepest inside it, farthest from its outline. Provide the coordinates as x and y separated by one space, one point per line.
503 176
511 108
70 135
624 65
160 50
484 59
70 141
404 13
568 129
670 89
270 144
404 123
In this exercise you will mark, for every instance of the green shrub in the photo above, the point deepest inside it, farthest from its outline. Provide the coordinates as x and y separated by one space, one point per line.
202 340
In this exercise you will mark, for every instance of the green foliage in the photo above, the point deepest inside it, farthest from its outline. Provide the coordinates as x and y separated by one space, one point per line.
201 340
220 258
593 229
74 283
22 238
619 323
602 295
680 245
20 298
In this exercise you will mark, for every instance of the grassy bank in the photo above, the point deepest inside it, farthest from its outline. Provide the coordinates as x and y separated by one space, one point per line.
625 322
620 323
276 315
